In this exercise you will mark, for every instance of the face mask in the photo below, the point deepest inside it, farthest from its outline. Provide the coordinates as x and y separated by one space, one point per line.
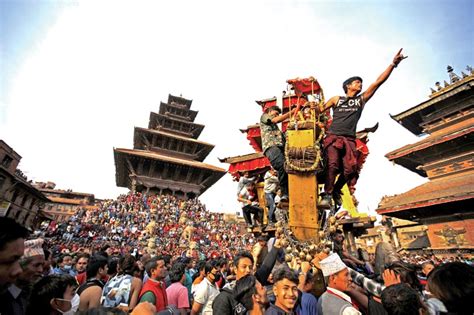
67 267
74 305
64 312
217 277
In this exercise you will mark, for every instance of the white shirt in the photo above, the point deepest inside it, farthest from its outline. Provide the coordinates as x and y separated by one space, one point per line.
348 310
270 183
204 294
244 194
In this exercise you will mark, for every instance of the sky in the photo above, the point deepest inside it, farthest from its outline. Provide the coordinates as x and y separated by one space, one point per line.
76 77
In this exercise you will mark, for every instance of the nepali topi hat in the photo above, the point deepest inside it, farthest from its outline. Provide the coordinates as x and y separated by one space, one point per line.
332 264
33 248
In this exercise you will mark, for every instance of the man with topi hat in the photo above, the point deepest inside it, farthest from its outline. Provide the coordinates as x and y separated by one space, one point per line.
340 150
334 301
15 299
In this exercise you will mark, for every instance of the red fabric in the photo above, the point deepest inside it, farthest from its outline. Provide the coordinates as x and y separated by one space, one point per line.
251 165
159 291
305 86
268 104
337 148
362 147
346 143
81 278
252 135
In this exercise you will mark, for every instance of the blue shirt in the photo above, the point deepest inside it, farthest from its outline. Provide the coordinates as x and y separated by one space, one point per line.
308 305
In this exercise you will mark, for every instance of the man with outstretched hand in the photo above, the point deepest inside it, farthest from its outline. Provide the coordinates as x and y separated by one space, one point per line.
339 143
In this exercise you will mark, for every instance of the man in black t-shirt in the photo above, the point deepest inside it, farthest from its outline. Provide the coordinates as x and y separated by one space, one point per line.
339 143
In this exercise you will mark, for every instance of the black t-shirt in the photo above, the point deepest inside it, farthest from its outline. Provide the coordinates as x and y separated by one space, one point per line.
375 308
346 114
89 283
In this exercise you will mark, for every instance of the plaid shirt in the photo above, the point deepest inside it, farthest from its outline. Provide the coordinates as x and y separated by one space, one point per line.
373 287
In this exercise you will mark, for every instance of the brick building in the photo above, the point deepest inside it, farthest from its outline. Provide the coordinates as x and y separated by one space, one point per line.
18 198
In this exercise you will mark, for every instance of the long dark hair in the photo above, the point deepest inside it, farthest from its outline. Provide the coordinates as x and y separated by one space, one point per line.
453 284
408 274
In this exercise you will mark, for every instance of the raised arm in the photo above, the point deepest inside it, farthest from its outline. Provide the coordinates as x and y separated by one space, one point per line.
283 117
329 104
384 76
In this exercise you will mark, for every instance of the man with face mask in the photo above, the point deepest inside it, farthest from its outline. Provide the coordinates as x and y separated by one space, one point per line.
14 301
207 290
54 295
64 266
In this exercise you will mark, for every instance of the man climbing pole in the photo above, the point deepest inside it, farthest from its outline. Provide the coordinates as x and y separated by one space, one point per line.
273 144
339 143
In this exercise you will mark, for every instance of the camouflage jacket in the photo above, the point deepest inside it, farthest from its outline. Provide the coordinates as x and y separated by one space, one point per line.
270 133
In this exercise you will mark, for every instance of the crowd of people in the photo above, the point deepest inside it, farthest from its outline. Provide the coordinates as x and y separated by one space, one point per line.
135 222
159 255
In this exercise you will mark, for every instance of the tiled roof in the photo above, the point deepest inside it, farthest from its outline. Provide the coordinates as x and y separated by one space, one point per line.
447 135
437 191
159 132
66 200
164 158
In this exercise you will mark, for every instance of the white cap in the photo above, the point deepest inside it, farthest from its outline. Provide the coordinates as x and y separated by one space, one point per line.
331 265
33 248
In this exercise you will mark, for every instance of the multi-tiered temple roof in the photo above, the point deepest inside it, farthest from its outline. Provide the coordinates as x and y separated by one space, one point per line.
166 156
446 157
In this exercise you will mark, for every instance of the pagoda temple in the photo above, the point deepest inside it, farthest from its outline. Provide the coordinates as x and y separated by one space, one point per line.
166 157
445 204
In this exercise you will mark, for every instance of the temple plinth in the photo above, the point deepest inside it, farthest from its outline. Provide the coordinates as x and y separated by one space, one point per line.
166 157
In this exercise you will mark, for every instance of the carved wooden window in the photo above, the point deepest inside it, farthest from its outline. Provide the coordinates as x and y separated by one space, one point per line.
2 181
7 160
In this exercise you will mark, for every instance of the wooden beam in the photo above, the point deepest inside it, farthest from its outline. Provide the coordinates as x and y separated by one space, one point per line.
195 145
165 171
170 143
152 168
176 172
153 140
179 146
201 177
189 175
140 166
130 166
146 142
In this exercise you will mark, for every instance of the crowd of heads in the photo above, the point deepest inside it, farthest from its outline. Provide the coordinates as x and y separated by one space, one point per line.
139 224
113 255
